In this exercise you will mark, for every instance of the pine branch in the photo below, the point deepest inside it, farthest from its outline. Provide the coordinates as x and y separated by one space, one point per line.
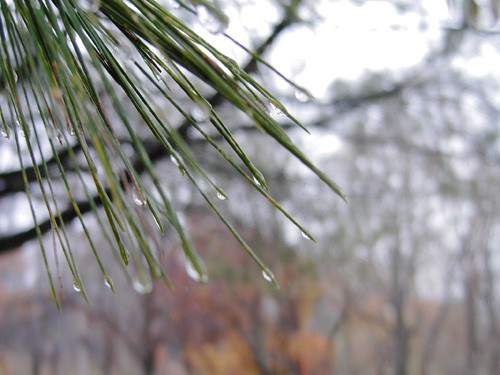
70 53
13 181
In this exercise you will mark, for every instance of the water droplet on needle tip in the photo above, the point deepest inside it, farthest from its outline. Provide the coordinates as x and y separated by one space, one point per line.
302 95
108 282
143 284
77 287
5 133
221 195
305 235
138 198
194 274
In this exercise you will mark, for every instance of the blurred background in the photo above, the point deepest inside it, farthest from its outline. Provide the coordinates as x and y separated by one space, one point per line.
403 279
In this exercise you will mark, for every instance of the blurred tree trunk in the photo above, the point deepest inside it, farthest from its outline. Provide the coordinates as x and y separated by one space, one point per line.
109 355
430 344
400 332
437 325
257 337
35 349
489 300
470 285
149 339
36 361
348 344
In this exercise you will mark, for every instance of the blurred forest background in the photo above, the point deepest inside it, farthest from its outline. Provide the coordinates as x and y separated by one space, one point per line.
402 280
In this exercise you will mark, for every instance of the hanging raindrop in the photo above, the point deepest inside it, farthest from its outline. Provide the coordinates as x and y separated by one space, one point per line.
264 107
108 282
277 110
52 132
24 131
194 274
173 159
221 195
302 95
267 276
138 198
77 287
91 6
177 160
305 235
70 128
142 283
5 132
214 22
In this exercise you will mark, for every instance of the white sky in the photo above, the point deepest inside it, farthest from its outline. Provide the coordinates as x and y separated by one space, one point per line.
350 39
354 38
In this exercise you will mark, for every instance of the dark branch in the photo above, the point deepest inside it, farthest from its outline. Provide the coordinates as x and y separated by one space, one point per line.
12 181
14 241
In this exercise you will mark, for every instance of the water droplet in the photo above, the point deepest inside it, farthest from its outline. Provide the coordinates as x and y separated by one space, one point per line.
174 160
24 131
108 282
177 162
156 271
5 132
302 95
305 235
194 274
221 195
142 283
91 6
15 76
264 107
70 128
77 286
138 198
54 133
259 179
267 276
213 21
277 110
59 138
200 111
